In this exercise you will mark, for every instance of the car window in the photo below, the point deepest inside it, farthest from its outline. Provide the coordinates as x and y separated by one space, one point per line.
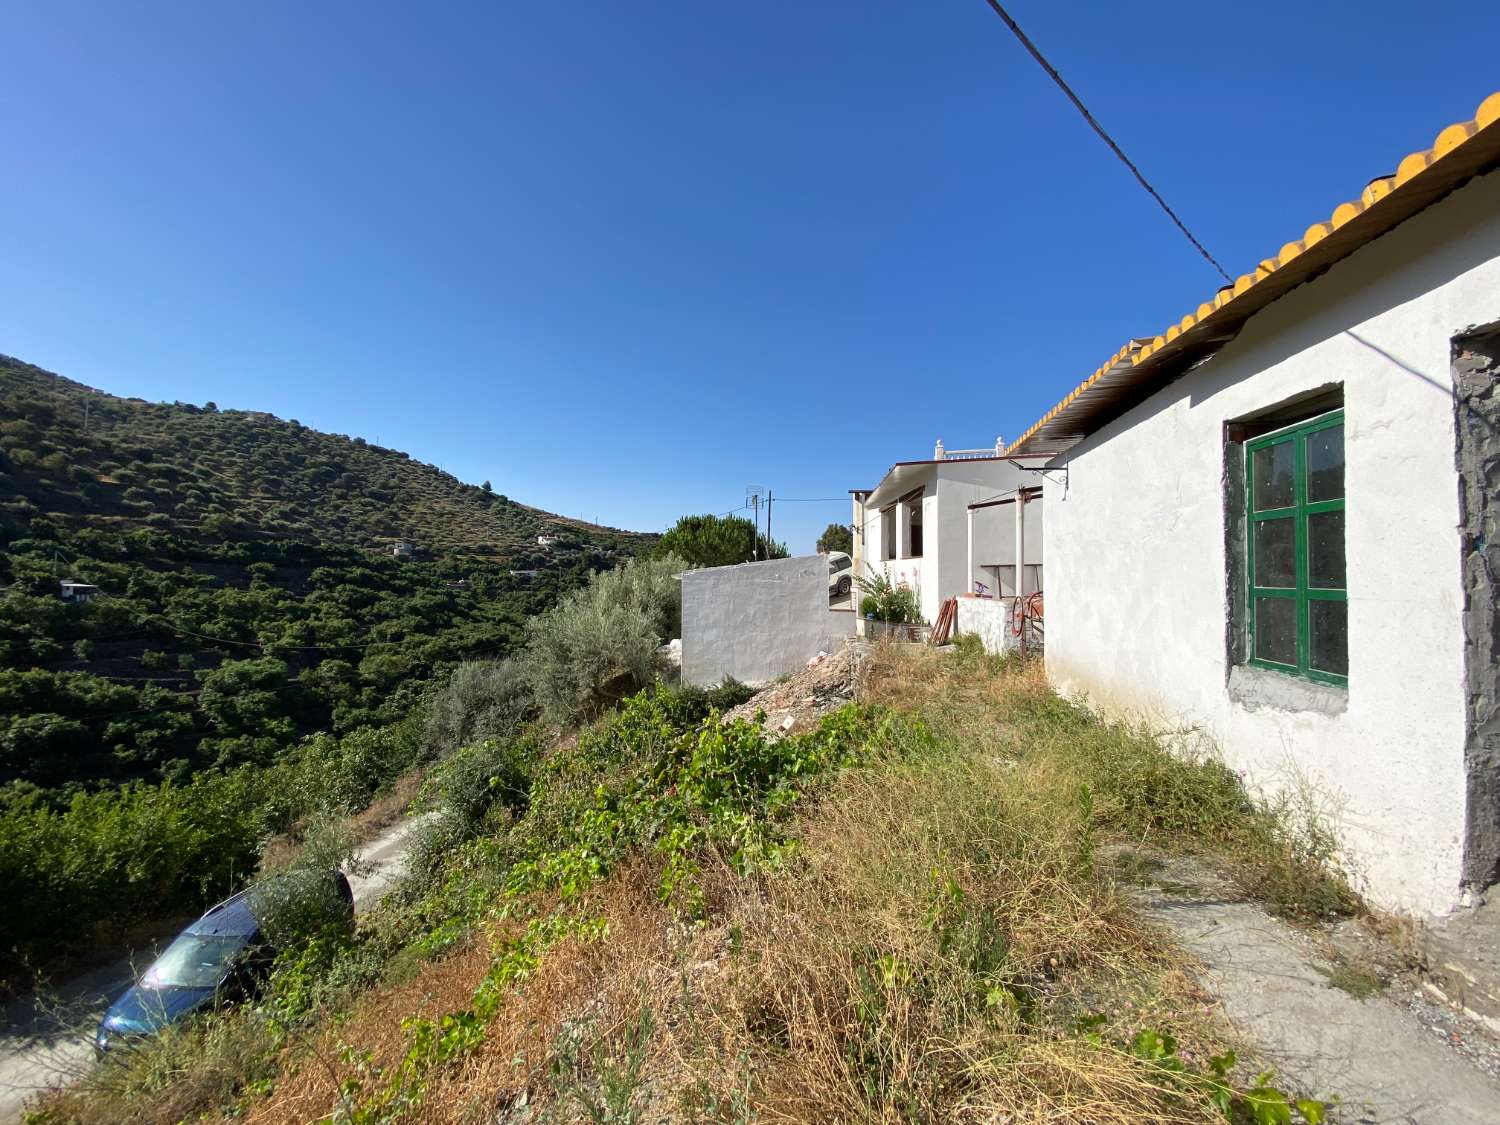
194 961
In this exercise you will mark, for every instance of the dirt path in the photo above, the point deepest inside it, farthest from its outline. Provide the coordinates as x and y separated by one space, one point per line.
46 1043
1383 1060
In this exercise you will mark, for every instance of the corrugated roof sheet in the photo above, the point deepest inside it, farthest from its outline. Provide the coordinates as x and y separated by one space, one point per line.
1459 152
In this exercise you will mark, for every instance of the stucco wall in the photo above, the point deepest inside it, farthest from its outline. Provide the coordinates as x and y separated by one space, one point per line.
757 621
989 620
1136 557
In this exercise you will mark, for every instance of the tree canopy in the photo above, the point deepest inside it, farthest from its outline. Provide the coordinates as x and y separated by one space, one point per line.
710 540
836 537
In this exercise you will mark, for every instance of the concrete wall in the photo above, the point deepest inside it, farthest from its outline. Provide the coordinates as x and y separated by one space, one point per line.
757 621
989 619
1139 604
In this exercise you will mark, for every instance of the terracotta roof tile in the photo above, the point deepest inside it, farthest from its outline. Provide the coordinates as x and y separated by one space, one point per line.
1459 152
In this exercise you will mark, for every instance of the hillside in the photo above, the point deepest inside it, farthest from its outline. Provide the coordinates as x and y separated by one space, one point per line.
247 594
86 458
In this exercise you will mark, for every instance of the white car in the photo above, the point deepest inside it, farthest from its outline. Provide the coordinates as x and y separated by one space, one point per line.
840 574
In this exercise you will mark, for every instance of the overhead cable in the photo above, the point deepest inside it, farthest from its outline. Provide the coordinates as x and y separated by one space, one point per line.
1103 135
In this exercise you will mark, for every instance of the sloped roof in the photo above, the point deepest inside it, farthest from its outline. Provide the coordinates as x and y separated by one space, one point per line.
1459 152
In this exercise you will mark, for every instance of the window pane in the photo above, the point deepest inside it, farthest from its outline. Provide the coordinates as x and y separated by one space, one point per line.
1325 551
1271 470
1276 630
1276 553
1325 464
1328 636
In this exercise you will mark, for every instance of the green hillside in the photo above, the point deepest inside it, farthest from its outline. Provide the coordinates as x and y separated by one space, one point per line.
247 590
87 458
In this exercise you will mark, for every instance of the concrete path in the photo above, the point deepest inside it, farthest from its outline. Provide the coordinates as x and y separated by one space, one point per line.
1376 1057
48 1043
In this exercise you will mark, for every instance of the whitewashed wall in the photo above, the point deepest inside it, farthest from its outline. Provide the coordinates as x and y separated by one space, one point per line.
1137 593
757 621
989 620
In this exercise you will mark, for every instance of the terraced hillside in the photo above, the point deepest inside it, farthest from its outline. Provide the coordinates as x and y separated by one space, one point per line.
86 458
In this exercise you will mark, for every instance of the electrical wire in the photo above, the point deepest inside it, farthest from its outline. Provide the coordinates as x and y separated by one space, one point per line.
1093 122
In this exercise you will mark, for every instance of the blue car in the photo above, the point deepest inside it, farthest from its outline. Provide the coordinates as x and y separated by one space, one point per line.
222 957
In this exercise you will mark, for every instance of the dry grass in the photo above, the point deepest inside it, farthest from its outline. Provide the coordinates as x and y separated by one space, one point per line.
932 957
943 946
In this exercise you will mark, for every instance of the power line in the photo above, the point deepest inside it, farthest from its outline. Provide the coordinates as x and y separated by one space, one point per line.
1104 136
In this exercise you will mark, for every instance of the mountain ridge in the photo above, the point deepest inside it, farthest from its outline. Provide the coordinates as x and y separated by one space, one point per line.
86 457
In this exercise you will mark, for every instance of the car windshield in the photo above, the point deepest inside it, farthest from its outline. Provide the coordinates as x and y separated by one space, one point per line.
193 961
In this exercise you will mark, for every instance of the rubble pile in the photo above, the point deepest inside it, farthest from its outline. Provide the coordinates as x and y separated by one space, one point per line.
796 703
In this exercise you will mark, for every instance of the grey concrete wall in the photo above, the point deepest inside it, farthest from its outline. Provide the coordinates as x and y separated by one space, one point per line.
1476 367
757 621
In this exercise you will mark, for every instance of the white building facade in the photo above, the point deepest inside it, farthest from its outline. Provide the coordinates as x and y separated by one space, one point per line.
1270 526
948 526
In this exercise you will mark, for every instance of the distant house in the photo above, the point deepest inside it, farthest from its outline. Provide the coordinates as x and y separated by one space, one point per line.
1274 523
949 525
78 592
403 550
547 540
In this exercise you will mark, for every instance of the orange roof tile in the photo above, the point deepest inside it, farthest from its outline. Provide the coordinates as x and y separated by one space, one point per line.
1458 153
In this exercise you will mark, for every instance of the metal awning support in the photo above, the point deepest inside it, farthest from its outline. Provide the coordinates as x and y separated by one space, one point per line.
1020 498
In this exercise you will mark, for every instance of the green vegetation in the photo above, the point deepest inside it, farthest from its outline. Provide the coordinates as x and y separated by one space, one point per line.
113 858
90 459
717 541
248 601
884 600
836 537
600 645
898 916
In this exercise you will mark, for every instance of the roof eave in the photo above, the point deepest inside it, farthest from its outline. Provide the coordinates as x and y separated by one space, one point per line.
1459 153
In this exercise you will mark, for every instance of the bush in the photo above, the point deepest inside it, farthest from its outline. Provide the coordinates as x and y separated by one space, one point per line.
465 795
886 601
598 646
481 700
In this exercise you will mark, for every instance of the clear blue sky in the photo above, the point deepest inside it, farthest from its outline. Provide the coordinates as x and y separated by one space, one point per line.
624 259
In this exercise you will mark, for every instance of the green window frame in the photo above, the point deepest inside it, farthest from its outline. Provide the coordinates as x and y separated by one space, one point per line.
1297 584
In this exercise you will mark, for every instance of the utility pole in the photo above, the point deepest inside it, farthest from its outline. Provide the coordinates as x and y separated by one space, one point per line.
768 523
752 501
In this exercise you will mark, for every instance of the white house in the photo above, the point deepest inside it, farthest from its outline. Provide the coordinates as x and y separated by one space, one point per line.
1277 523
949 525
70 590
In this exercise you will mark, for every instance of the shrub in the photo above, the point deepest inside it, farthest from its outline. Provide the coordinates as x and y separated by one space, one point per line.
598 646
886 601
481 700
